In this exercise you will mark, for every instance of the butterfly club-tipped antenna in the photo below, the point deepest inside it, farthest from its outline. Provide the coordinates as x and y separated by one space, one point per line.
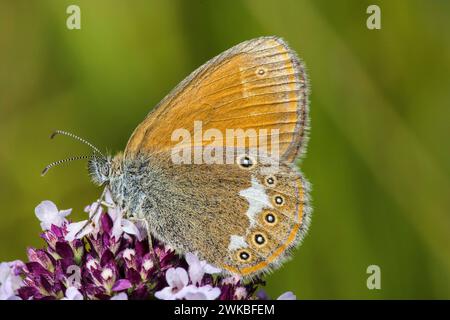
56 163
73 136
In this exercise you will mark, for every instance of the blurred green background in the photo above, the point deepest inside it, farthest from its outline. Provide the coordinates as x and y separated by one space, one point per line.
379 154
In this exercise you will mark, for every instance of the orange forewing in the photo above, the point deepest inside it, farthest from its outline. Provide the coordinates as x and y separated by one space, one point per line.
258 84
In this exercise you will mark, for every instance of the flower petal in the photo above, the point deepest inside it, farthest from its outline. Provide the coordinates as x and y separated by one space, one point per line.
195 295
75 227
116 230
191 259
121 284
48 214
201 293
210 269
9 282
210 292
195 268
64 250
198 268
165 294
73 293
177 278
120 296
240 293
44 209
65 213
95 213
287 296
262 295
130 228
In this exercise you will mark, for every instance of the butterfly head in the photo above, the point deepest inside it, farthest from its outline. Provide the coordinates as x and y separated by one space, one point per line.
99 168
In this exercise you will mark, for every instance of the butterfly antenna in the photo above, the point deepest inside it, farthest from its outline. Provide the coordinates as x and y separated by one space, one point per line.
54 134
56 163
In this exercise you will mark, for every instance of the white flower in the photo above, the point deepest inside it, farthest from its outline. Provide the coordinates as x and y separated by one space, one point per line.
94 210
107 274
287 296
9 282
240 293
232 280
74 229
114 211
128 253
201 293
198 268
48 214
122 225
90 226
92 264
72 293
177 279
120 296
148 264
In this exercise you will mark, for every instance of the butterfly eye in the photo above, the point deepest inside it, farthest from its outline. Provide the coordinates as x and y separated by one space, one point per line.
105 170
244 255
271 181
279 200
270 218
246 162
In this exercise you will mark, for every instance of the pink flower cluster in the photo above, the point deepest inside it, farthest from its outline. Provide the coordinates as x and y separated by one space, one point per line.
109 257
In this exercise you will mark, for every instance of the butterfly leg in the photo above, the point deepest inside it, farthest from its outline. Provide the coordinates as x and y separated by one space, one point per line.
108 204
91 218
150 246
150 242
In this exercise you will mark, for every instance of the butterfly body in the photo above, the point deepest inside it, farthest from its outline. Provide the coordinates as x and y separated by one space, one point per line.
243 215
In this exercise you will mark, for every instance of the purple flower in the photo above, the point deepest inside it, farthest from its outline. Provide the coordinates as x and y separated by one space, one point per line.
108 257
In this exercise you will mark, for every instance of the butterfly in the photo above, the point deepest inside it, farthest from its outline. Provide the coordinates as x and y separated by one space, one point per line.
194 171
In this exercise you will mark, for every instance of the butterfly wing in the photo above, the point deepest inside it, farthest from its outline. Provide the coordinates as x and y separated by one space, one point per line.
227 213
258 84
242 220
276 219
